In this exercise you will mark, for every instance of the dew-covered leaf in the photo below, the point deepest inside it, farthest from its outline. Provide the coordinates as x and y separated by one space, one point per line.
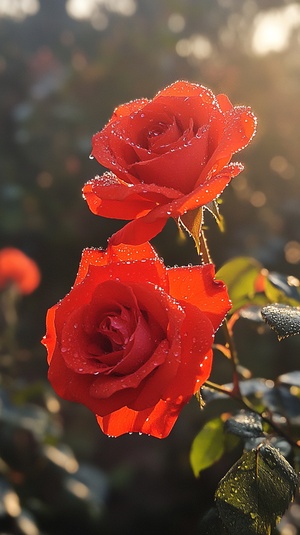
255 492
253 443
244 424
281 445
290 378
277 442
211 524
280 400
283 319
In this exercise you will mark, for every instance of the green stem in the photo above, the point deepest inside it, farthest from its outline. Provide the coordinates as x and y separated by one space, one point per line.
233 356
203 249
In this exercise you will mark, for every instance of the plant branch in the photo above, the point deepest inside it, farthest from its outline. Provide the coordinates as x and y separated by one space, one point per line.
233 356
248 405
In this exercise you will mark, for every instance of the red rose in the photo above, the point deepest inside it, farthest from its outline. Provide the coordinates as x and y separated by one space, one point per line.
168 155
18 269
132 340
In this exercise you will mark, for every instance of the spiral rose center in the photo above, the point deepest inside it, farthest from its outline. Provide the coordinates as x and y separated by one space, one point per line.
115 333
113 338
163 135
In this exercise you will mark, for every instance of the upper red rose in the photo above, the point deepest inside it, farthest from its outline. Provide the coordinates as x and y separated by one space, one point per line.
132 340
17 268
168 155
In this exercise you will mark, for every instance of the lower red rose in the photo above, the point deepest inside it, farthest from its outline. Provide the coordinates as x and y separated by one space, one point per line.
132 340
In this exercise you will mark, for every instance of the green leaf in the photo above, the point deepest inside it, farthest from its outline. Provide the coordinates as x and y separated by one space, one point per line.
242 277
208 446
192 223
249 283
282 289
283 319
253 495
244 424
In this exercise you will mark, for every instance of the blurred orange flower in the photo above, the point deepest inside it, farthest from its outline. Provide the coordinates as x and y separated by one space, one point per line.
17 268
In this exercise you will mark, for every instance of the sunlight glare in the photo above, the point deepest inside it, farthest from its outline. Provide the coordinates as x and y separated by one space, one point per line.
89 8
80 10
18 9
273 28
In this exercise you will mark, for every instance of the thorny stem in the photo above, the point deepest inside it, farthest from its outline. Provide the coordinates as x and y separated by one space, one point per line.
226 328
235 393
248 405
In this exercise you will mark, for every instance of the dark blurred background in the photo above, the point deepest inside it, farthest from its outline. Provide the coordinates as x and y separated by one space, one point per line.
64 66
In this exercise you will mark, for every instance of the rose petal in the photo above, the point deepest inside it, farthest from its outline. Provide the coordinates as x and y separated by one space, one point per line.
123 201
159 380
186 89
130 107
229 136
197 286
224 102
156 421
49 340
148 226
76 387
115 265
196 361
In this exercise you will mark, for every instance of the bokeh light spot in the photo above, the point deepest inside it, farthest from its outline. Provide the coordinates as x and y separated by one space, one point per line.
280 165
292 252
258 199
176 22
